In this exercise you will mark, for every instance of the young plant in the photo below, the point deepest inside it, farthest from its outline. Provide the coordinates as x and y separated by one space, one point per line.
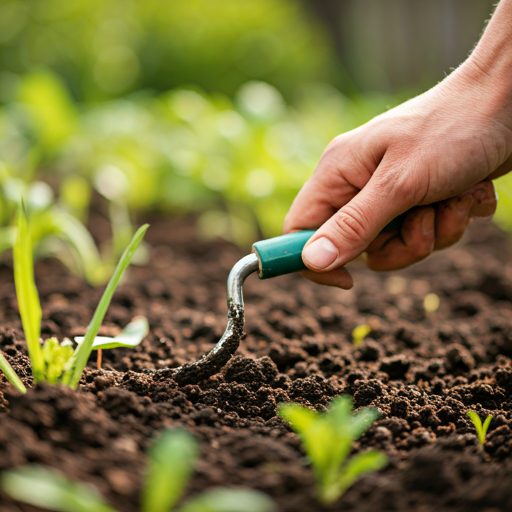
327 440
481 430
54 362
359 333
170 467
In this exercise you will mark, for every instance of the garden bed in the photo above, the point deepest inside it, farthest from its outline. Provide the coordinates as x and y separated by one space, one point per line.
424 371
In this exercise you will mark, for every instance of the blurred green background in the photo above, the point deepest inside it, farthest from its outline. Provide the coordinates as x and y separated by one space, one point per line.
219 108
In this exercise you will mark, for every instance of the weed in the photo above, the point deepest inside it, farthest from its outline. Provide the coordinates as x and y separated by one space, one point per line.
481 430
54 362
170 467
327 439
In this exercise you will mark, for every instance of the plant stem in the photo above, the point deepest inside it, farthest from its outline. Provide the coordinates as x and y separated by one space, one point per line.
99 357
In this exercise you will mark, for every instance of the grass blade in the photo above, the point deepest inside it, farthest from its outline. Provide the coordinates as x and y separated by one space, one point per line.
11 375
132 335
26 293
79 360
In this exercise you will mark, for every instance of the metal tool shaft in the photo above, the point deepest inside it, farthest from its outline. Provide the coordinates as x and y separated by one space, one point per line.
211 363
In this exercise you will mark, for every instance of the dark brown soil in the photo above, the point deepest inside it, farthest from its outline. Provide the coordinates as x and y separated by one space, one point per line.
423 371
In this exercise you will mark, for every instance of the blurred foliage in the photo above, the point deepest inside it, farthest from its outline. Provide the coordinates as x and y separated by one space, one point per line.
221 108
103 48
242 160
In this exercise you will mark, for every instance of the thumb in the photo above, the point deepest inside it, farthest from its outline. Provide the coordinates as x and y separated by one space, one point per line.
351 229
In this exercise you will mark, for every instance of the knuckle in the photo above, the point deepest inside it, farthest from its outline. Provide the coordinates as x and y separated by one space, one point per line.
397 183
351 225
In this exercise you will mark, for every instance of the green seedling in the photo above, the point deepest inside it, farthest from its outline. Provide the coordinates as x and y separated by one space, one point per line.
170 467
131 336
481 430
360 333
327 440
54 362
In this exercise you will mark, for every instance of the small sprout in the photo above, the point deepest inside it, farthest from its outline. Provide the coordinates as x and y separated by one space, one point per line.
53 362
328 439
360 333
132 336
481 430
431 303
171 464
55 356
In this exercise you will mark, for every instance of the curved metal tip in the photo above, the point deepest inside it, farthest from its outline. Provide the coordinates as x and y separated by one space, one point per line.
211 363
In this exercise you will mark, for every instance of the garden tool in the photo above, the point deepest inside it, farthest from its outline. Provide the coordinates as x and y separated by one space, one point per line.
269 258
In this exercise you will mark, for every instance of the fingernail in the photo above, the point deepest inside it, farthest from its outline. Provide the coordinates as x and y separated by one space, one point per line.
427 222
464 204
320 254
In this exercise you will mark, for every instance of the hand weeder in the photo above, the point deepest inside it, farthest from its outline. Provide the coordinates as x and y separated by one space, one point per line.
270 258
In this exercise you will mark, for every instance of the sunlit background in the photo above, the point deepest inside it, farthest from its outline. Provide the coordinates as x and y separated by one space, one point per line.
218 108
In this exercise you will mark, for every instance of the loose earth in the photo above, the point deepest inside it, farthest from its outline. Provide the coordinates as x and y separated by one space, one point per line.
422 370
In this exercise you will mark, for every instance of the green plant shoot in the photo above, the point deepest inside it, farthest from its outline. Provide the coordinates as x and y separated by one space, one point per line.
327 440
76 364
481 430
170 467
359 333
55 356
56 362
26 293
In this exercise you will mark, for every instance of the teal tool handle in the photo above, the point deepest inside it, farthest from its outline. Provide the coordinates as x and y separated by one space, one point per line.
283 254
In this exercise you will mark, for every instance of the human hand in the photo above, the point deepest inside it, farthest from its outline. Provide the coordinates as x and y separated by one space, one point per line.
433 155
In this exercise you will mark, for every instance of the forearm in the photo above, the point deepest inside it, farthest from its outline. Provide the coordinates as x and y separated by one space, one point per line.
491 61
494 50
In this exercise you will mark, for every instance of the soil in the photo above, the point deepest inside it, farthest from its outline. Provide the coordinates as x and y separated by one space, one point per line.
423 371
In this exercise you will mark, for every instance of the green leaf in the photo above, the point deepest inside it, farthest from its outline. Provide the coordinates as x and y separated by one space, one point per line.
48 103
358 465
131 336
47 488
229 500
55 356
485 427
11 375
299 417
171 464
361 421
26 293
77 363
340 414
